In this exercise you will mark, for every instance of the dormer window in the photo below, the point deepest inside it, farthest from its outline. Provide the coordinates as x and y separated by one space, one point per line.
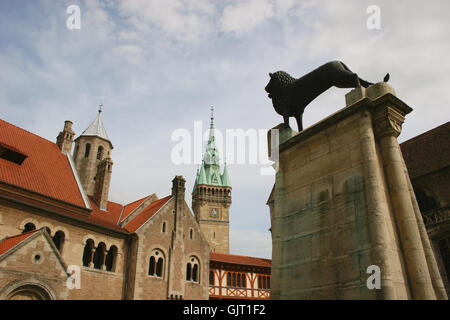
11 154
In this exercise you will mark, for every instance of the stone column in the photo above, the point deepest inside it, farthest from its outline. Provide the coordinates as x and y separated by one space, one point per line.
387 121
376 207
103 266
436 278
91 262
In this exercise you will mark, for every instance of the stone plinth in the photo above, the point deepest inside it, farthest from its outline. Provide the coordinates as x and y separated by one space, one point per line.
342 202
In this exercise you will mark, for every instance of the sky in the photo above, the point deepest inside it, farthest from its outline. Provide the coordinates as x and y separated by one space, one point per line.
158 66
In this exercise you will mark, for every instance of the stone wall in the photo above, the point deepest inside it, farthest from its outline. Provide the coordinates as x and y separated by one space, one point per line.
341 203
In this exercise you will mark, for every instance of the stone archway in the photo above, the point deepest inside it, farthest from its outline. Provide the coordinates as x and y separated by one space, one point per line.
29 292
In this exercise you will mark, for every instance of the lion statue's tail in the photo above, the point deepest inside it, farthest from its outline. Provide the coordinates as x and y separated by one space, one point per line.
365 83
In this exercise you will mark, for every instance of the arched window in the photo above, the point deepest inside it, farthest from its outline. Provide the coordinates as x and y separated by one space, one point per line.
156 264
110 261
87 150
151 266
100 153
58 240
163 228
99 256
188 271
159 267
259 282
233 280
193 270
211 278
29 227
191 234
87 252
229 279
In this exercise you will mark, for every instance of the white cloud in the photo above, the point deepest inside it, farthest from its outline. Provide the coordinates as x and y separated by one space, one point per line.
242 17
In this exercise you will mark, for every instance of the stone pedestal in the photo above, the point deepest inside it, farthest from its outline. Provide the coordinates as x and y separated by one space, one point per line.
342 202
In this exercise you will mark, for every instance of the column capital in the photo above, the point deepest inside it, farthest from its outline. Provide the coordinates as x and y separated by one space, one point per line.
387 120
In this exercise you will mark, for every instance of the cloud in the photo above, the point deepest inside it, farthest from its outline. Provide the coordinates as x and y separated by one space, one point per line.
242 17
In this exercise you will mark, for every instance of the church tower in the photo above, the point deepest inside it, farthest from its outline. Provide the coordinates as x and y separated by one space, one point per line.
211 197
92 158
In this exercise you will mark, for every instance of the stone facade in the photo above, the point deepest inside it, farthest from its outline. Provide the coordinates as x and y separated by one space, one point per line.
149 249
342 201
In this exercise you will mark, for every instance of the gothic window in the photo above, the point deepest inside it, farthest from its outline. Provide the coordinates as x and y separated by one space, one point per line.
191 234
188 271
87 252
163 228
58 240
87 150
110 260
99 256
100 153
156 264
193 270
29 227
151 266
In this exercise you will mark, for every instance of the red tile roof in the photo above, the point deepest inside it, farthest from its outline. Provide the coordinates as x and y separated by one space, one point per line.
237 259
427 152
128 209
146 214
45 170
10 242
108 218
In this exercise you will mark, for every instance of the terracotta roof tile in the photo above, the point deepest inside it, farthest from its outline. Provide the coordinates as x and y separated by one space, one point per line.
108 218
146 214
128 209
45 170
10 242
237 259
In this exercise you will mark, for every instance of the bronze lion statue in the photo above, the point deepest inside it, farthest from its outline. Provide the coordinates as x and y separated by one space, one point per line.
290 96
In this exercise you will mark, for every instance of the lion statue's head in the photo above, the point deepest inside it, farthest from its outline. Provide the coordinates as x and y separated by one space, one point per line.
278 83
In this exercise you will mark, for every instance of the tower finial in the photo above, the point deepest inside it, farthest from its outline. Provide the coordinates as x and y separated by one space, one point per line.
100 107
212 117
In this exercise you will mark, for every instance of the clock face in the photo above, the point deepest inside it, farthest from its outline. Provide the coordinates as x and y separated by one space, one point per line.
214 213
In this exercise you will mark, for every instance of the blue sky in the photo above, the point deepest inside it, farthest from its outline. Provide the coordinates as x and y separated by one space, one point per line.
158 66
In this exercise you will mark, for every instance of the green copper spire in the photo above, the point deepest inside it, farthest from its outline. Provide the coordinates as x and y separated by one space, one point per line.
209 173
202 175
225 179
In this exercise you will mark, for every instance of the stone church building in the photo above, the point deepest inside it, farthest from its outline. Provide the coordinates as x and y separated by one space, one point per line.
61 238
55 216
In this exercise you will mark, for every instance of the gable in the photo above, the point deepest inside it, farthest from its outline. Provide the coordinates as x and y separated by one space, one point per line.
33 252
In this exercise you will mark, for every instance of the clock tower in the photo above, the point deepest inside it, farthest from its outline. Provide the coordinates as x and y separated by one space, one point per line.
211 197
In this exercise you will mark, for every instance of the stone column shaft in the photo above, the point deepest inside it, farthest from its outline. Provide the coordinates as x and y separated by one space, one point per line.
416 263
376 207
